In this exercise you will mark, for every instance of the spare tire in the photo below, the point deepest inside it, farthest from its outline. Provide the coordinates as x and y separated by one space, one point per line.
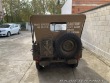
68 45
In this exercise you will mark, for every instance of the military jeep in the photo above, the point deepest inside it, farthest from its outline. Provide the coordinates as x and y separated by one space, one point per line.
56 38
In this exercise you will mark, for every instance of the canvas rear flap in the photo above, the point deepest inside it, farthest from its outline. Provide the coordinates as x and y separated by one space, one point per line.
41 24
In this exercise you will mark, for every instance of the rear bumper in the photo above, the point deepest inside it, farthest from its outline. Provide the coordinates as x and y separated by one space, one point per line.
48 62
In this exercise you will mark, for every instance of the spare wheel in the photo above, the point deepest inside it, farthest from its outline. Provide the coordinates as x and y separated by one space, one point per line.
68 45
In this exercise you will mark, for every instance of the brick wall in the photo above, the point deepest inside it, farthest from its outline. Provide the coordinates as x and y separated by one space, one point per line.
78 9
96 32
84 5
90 1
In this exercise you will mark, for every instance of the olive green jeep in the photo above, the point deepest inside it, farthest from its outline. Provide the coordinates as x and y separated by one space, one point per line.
57 38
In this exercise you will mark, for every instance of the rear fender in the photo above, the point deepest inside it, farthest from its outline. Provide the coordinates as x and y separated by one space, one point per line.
79 56
35 52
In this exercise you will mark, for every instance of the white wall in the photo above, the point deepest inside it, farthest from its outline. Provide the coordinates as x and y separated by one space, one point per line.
96 32
67 8
28 26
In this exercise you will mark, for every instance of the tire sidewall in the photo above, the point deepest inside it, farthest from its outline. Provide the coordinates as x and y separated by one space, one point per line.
73 38
8 34
18 32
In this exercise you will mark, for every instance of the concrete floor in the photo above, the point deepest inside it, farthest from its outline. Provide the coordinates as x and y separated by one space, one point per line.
17 66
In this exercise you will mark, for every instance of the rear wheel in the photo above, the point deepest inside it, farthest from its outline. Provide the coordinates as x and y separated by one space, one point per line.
8 34
18 32
38 66
73 65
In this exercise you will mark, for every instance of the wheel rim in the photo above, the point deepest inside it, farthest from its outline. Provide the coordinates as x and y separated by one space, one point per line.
68 46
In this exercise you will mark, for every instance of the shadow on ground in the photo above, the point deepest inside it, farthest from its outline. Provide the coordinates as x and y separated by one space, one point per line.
61 73
3 36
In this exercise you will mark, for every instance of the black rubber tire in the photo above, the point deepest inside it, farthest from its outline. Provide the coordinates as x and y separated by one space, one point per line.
59 44
39 67
8 34
73 65
18 32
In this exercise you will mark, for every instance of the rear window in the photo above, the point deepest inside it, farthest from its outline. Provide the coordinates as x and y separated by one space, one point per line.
58 26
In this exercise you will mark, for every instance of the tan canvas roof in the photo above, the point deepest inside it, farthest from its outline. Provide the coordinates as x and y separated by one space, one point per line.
56 18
